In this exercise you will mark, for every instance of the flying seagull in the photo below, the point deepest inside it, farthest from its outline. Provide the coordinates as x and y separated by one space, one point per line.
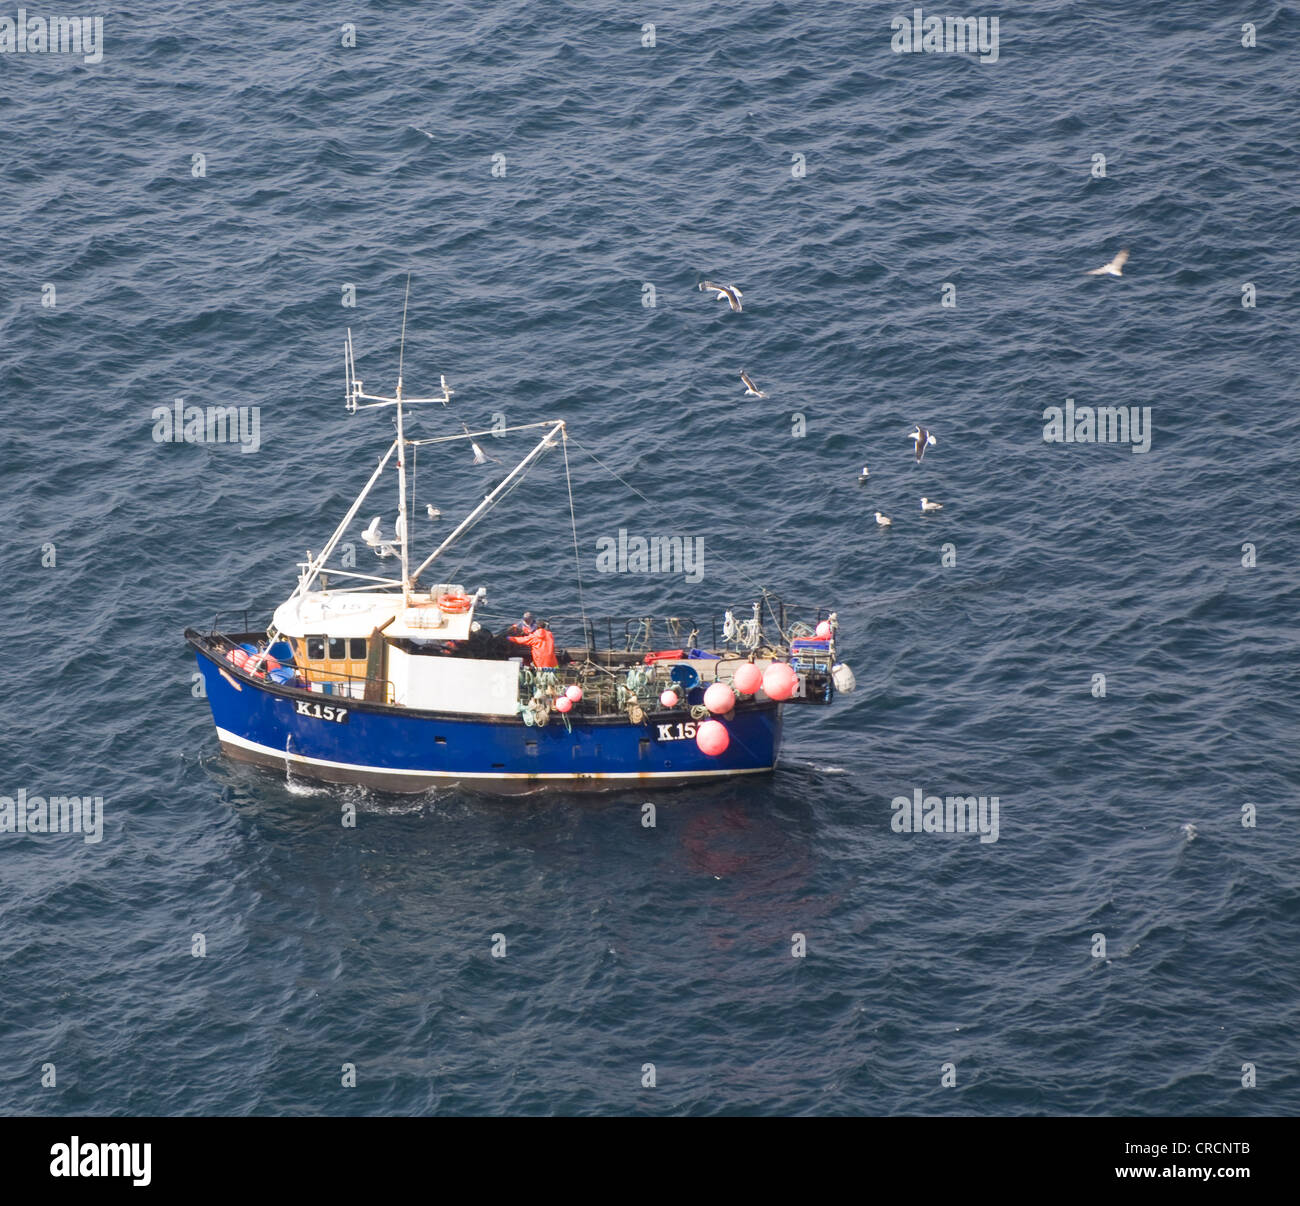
883 520
446 393
927 505
922 439
1114 268
728 293
480 457
751 390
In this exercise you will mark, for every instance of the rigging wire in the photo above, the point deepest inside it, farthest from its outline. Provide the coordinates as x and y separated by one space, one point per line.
663 512
573 520
519 481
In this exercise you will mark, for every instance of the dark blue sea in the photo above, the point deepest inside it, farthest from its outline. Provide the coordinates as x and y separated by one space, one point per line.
1128 943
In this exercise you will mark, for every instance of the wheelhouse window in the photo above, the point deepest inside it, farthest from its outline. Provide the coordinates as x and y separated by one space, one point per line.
315 648
338 649
357 649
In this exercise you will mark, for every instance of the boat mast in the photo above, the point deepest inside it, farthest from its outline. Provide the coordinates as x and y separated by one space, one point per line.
358 399
401 453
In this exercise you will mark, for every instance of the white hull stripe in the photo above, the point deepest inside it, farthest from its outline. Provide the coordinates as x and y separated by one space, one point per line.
244 743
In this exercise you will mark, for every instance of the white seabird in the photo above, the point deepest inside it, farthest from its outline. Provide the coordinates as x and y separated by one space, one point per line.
1114 268
728 293
751 390
862 477
922 439
371 535
434 512
480 457
927 505
883 520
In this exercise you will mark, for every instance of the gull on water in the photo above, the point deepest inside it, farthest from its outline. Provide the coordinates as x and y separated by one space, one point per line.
883 520
1114 268
922 439
434 512
927 505
727 293
862 477
751 390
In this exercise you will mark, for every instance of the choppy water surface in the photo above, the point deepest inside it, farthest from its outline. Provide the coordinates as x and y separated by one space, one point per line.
628 165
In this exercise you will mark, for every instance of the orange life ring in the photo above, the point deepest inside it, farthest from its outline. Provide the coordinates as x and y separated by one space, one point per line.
454 605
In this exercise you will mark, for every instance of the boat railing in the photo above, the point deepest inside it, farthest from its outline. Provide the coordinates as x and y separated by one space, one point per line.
218 630
644 633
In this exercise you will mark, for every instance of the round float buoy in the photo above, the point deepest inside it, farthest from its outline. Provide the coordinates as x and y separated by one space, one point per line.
720 699
780 681
574 693
824 629
668 699
564 704
712 737
747 679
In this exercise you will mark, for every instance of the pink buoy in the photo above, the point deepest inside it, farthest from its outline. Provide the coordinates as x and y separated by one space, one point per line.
668 699
779 681
564 704
712 737
720 699
574 693
823 630
747 679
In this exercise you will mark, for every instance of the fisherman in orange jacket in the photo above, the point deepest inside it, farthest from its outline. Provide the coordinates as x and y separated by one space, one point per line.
541 643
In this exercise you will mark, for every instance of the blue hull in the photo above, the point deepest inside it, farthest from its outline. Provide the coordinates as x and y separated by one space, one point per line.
398 749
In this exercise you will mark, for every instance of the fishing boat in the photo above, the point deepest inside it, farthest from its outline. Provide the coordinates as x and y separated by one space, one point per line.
401 684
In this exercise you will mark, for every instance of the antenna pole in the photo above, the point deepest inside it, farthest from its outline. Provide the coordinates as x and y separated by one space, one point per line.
401 351
401 451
